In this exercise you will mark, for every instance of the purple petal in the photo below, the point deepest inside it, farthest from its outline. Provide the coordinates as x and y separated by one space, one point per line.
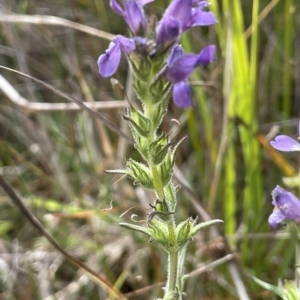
182 95
175 18
168 30
287 203
180 10
207 55
276 218
116 7
109 62
181 68
175 54
127 45
285 143
202 18
135 16
143 2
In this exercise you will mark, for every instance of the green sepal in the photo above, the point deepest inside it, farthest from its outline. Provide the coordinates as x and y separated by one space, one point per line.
142 145
170 196
141 90
183 230
141 68
158 112
165 169
160 104
203 225
161 92
138 120
160 232
140 173
147 231
159 149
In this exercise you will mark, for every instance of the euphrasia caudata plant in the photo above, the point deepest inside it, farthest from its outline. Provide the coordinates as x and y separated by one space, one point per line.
160 70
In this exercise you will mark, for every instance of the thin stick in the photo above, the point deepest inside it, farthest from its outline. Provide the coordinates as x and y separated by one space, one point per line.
55 21
81 104
34 107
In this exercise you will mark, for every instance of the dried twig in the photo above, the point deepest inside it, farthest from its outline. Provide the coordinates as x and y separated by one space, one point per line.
55 21
80 103
33 107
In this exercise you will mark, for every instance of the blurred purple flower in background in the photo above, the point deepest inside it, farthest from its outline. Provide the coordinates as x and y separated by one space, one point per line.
286 143
287 207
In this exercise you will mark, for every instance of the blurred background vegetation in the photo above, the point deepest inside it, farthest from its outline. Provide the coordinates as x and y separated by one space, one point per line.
55 160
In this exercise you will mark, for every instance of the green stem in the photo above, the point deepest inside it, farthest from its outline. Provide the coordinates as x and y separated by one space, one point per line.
172 249
172 276
158 184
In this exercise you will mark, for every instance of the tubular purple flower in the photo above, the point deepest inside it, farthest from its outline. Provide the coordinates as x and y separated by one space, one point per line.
175 54
180 16
287 207
207 55
285 143
201 18
135 16
133 13
168 30
181 66
182 95
110 60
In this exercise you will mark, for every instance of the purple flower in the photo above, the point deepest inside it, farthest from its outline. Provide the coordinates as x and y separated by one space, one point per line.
182 95
286 143
110 60
180 66
287 207
180 16
133 13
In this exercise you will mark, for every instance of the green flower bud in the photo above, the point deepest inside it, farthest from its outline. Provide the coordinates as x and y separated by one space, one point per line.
165 169
139 123
142 145
159 232
183 230
140 173
159 149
